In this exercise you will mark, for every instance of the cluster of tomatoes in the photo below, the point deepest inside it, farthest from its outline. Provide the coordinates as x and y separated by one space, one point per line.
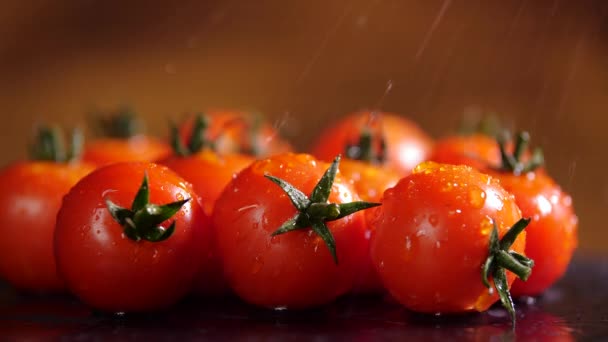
224 207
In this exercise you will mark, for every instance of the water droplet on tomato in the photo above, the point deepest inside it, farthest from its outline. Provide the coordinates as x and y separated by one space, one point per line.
258 263
477 197
408 243
486 225
280 308
179 196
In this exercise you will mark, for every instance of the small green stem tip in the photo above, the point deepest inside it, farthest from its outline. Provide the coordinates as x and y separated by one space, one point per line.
123 123
501 258
50 145
142 221
196 140
371 146
315 211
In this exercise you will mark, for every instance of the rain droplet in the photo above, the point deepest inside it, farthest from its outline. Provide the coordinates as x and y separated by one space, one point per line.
408 243
486 225
258 263
477 197
179 196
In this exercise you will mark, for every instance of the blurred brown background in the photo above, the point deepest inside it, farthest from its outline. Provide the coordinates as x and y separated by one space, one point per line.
542 65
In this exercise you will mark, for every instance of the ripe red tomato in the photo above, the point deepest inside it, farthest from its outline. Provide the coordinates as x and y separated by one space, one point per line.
239 132
209 173
31 197
405 144
434 234
369 181
552 233
122 141
277 256
124 260
475 150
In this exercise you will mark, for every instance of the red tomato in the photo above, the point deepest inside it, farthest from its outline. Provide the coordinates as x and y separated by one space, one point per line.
370 182
552 233
209 174
107 151
433 237
115 267
30 198
239 132
292 270
122 141
475 150
405 143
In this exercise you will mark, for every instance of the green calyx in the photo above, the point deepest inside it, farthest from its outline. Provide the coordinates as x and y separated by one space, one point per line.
371 146
500 259
121 124
513 162
50 145
315 211
196 138
488 125
142 221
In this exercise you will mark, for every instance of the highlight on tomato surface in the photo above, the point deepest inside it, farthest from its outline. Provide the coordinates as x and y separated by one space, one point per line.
127 245
450 239
294 244
31 197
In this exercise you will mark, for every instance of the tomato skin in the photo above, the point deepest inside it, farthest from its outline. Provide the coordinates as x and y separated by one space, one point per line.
293 270
30 200
232 131
370 182
209 174
407 144
107 151
478 151
552 233
113 273
432 237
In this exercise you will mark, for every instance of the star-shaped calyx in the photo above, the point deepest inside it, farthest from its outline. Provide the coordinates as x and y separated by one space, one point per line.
142 221
501 258
512 162
315 211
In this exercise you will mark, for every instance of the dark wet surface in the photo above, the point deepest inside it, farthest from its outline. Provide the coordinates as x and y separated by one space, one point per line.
575 309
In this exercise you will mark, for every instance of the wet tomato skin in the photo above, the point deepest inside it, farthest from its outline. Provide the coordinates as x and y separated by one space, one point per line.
209 173
552 233
30 200
113 273
370 182
432 237
406 143
294 270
